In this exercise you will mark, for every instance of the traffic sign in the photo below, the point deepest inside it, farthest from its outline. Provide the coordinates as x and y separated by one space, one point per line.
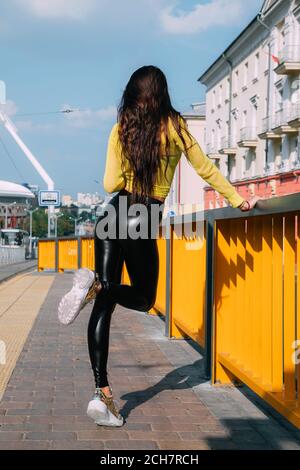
49 198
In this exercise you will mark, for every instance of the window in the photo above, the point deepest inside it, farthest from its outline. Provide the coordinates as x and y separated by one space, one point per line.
256 65
227 88
236 81
244 118
214 99
267 53
231 167
213 138
220 94
246 68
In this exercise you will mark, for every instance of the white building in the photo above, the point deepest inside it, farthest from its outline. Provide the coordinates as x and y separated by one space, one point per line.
253 104
67 200
88 199
186 192
14 199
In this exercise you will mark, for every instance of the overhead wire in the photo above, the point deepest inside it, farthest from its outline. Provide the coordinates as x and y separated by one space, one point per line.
8 154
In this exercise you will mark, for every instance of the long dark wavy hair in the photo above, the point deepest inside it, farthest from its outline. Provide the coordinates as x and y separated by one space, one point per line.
143 114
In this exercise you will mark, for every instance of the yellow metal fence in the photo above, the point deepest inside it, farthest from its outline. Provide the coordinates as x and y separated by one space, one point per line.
235 290
257 311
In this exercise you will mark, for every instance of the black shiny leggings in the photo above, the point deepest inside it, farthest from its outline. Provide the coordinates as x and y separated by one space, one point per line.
142 262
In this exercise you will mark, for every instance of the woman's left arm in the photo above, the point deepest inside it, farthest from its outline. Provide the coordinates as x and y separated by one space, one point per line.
113 179
205 168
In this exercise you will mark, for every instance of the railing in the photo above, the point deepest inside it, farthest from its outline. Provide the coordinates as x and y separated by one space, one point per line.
211 148
235 289
289 54
65 253
279 118
11 254
267 124
248 133
224 142
294 111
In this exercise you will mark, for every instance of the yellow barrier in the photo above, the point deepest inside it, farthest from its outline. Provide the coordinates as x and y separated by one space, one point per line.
67 254
160 302
257 315
46 254
188 261
254 301
87 253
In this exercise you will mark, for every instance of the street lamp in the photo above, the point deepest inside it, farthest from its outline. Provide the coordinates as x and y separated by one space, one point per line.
56 217
6 211
75 221
30 212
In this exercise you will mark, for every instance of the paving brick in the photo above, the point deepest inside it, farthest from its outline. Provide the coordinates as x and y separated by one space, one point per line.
48 436
154 435
24 445
62 444
130 444
10 436
44 405
183 445
102 433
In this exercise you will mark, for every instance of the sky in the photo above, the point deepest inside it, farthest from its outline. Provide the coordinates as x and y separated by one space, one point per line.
79 54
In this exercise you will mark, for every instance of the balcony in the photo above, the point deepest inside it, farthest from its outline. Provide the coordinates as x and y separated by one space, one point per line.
227 148
248 137
289 60
212 151
280 123
266 129
294 115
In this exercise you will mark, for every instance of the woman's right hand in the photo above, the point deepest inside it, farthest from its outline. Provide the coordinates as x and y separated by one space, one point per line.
248 204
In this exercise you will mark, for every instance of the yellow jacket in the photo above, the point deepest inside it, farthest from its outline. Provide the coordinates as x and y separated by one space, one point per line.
114 178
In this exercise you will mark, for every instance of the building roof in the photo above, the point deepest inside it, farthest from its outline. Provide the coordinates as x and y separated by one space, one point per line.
197 111
267 4
8 189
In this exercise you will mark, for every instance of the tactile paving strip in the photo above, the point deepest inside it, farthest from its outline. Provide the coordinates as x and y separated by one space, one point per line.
20 302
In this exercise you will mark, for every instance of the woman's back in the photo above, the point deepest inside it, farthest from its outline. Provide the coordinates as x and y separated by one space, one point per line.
115 178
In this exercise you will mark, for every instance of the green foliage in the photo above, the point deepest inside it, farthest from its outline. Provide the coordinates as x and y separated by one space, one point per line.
65 226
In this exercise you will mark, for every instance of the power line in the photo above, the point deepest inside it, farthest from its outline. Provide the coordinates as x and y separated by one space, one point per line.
11 159
46 112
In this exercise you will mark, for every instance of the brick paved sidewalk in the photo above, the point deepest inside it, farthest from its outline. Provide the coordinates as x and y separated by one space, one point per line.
159 383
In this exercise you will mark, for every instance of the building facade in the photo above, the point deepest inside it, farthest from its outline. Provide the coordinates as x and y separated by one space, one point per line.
14 199
253 106
186 192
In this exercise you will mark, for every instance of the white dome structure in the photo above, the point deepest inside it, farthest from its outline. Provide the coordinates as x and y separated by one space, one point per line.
13 190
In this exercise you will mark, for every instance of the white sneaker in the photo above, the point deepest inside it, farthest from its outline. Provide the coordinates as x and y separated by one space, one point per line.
72 302
103 411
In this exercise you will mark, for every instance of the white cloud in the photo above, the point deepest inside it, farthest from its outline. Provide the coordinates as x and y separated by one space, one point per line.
79 119
66 9
203 16
10 108
86 118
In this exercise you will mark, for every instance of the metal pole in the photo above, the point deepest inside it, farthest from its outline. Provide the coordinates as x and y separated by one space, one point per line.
49 222
30 230
6 207
209 295
260 20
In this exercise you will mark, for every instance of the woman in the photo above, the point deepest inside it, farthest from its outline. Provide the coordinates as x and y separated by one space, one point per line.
144 148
